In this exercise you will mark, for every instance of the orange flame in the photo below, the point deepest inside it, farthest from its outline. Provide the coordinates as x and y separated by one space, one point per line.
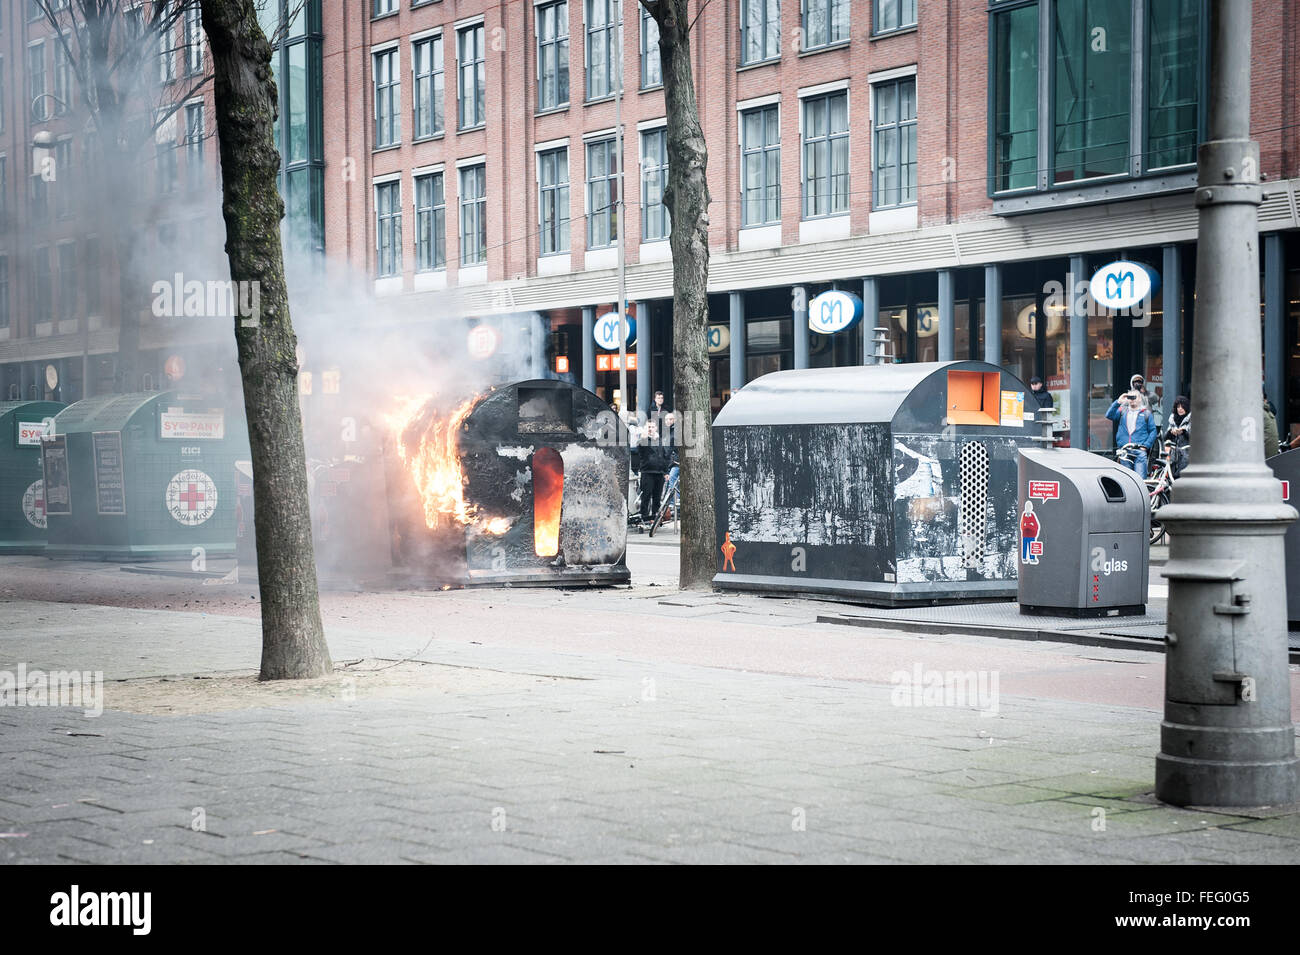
427 445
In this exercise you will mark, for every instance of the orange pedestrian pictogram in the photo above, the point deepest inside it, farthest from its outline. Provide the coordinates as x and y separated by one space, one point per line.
728 553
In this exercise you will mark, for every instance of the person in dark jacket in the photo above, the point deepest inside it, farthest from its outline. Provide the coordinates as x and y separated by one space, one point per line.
1041 394
1136 426
653 458
1179 431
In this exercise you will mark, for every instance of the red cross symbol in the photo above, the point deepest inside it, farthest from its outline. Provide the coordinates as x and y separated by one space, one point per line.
193 497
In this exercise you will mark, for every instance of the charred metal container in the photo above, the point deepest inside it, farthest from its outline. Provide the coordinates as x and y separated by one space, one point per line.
881 484
544 466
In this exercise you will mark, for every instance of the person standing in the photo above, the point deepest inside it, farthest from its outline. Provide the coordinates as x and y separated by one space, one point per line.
1136 426
1041 394
1179 431
653 459
1138 383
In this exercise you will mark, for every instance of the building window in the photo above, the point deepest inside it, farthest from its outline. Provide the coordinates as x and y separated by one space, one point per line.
1093 89
760 157
1015 99
430 223
166 55
388 228
552 55
165 166
473 215
894 143
760 30
4 291
826 155
193 39
63 185
92 276
602 194
652 70
67 281
1093 110
194 144
472 70
825 22
36 82
43 285
62 79
388 100
379 8
890 15
655 224
40 198
1173 82
553 200
427 66
604 60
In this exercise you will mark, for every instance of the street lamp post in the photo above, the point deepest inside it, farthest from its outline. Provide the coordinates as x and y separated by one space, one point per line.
1227 738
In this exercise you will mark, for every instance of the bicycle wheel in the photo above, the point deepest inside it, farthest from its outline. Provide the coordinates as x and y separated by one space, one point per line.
1157 529
663 509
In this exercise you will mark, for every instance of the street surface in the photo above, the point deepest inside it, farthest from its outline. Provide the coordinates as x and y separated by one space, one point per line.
534 725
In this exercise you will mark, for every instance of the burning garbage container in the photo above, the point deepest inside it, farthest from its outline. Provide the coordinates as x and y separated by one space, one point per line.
143 476
22 491
526 484
885 484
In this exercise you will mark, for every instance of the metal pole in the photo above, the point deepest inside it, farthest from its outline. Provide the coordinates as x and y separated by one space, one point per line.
947 308
870 319
622 271
1226 738
800 326
993 314
736 304
589 347
1171 329
1080 357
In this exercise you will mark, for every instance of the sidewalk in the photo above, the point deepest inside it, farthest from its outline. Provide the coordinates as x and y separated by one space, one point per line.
489 752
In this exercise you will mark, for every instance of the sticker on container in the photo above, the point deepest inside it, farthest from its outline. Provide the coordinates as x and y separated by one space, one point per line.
191 498
1045 490
1031 548
34 504
1013 409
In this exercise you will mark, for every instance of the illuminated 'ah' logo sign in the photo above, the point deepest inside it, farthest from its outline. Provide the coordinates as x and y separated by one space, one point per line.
1122 285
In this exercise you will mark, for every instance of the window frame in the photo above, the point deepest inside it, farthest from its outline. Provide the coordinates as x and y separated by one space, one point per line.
477 205
903 128
648 21
831 41
388 224
552 50
430 253
388 90
429 85
660 172
611 69
608 181
902 24
766 30
762 150
478 67
558 191
830 139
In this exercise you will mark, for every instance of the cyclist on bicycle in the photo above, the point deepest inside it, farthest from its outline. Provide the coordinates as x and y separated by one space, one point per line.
1136 426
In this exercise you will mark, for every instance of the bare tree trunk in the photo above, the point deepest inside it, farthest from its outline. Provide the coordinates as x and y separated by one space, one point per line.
687 199
293 640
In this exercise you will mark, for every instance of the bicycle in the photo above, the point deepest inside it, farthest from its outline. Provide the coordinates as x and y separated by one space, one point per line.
1159 482
671 499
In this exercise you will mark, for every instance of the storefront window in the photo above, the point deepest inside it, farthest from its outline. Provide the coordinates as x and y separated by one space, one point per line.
1101 385
769 346
1019 336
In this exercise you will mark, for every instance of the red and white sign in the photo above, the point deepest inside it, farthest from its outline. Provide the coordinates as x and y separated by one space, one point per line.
31 432
191 426
34 504
1036 549
610 362
1045 490
191 498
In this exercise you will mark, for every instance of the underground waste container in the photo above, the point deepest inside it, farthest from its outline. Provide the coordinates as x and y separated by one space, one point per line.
22 494
1286 468
1084 535
143 476
882 484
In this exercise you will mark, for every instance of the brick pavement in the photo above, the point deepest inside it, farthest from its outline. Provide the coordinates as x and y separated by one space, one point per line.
580 757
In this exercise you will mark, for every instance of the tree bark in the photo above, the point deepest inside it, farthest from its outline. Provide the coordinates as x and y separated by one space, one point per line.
687 198
293 640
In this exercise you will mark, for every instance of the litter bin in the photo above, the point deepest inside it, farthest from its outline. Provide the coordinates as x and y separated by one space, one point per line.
143 476
22 494
883 484
1084 535
1286 468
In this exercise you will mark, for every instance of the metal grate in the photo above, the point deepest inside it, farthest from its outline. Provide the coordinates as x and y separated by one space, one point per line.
971 519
